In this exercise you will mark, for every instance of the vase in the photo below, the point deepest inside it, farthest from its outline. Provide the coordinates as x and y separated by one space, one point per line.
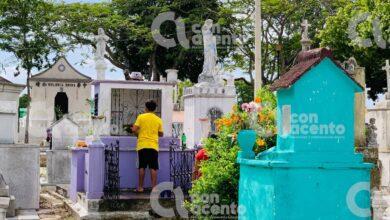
246 140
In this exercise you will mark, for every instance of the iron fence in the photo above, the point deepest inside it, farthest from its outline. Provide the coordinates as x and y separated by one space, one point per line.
182 164
112 178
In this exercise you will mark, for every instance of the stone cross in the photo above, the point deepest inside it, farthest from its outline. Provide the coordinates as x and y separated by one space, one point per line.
387 69
305 26
305 41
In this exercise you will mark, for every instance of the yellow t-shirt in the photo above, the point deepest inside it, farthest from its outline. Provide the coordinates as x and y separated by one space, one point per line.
149 125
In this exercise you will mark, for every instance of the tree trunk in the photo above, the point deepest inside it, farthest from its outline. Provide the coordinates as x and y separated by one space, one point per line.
26 134
153 66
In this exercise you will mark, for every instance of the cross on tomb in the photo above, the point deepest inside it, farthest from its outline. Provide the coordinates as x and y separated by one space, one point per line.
387 69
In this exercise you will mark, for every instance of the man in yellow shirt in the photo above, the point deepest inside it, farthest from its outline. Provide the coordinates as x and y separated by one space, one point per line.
149 128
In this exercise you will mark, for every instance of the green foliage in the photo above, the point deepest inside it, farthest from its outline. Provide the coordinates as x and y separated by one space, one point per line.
181 86
128 24
24 101
335 36
28 30
281 31
220 173
244 91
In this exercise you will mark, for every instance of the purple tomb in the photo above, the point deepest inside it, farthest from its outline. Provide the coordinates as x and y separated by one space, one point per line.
88 166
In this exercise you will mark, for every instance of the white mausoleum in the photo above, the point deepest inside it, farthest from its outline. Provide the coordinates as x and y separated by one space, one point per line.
54 92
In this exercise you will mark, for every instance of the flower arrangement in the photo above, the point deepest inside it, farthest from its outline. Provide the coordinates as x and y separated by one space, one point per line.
258 115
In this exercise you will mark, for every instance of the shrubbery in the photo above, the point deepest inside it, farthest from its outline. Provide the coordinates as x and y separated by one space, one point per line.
220 173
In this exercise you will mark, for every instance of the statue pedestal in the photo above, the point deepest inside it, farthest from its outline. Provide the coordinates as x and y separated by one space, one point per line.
101 68
205 102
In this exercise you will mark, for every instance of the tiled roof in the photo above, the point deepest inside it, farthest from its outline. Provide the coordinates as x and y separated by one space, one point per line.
304 62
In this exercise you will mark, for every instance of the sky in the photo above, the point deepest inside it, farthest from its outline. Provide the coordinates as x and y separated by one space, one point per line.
77 58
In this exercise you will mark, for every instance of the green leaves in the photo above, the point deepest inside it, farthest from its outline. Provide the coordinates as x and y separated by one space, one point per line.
29 30
335 36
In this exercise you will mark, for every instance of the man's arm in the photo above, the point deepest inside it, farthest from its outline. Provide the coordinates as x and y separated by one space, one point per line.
160 130
136 126
135 129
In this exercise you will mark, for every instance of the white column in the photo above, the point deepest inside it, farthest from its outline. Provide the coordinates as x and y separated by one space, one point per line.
258 79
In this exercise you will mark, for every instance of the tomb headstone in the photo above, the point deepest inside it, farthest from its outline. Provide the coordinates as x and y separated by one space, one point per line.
313 168
65 133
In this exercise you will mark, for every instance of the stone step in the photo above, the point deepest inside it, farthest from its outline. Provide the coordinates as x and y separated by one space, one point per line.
25 215
62 190
4 191
11 211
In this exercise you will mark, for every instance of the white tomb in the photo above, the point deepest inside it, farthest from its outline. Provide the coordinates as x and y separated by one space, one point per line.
381 114
19 164
65 133
60 89
210 98
9 103
118 103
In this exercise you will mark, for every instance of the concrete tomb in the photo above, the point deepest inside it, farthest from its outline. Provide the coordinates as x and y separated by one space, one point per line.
55 92
65 133
19 164
313 172
379 116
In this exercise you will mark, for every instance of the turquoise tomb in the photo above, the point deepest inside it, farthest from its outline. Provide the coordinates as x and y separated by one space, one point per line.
313 172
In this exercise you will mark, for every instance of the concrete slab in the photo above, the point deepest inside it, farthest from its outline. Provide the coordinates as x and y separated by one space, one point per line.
4 202
58 166
28 214
20 168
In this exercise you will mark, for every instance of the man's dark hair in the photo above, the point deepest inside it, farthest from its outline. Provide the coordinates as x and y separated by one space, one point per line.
151 105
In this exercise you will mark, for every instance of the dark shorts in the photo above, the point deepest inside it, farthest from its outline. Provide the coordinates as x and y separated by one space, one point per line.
148 158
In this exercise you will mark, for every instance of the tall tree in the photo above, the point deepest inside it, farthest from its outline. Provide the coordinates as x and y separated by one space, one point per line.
128 24
337 36
28 30
281 30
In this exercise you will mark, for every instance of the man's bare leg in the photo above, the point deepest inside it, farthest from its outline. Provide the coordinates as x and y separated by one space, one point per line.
153 174
141 177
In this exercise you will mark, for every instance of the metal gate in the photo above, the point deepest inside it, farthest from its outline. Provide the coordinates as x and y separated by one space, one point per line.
127 104
112 178
182 164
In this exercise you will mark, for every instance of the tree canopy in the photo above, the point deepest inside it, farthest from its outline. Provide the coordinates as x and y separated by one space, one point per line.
336 35
128 24
29 30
